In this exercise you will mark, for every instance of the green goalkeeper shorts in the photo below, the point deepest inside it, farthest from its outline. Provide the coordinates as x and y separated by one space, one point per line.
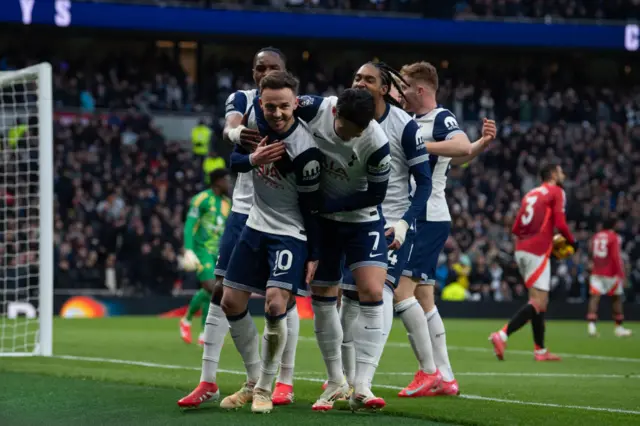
208 262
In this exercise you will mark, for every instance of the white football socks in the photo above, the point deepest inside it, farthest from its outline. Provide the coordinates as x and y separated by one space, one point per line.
289 355
215 330
326 322
414 320
387 318
246 339
273 343
367 338
439 343
349 311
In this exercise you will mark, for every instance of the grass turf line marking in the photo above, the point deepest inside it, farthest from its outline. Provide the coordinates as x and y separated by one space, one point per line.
508 352
310 379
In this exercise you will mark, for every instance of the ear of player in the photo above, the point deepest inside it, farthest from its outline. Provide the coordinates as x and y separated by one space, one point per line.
561 248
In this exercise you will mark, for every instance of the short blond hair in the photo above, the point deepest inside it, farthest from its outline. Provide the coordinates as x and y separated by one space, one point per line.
421 71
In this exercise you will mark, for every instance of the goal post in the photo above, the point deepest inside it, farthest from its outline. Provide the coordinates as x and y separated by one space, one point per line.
26 211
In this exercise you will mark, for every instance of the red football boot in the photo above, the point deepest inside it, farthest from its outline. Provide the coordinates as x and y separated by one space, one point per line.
546 356
204 393
421 385
446 389
282 394
185 330
499 345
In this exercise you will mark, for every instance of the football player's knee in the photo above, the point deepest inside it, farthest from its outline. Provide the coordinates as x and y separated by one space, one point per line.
370 293
229 305
325 291
276 301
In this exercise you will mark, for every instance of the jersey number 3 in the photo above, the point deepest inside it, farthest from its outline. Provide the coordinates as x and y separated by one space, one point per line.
527 217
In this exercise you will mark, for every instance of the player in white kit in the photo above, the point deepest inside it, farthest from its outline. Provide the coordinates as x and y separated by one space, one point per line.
409 159
444 139
240 128
355 175
285 168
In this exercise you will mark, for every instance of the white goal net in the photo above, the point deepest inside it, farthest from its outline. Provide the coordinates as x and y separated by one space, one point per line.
26 211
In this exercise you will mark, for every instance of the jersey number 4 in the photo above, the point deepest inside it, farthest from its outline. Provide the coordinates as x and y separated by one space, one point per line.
527 217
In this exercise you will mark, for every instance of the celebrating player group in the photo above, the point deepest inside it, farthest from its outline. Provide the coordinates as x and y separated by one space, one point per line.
337 197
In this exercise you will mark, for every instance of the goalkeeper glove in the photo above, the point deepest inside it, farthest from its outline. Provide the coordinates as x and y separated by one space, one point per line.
190 261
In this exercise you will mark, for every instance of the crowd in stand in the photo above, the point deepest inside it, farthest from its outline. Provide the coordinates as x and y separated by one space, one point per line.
121 188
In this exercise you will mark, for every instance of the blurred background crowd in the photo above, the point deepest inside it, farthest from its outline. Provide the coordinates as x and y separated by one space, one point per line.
123 179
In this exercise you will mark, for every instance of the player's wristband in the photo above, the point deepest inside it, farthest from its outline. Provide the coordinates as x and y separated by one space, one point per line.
400 231
234 134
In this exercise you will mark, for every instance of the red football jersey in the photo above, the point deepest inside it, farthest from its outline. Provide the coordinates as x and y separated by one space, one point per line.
605 254
541 212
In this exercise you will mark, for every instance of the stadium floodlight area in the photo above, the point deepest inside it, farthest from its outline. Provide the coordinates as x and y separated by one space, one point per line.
26 211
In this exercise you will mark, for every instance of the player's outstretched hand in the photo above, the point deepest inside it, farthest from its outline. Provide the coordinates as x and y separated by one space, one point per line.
489 129
190 261
266 154
395 245
311 267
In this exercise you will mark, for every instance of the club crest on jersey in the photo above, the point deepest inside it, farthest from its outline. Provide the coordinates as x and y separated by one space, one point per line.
450 123
384 166
305 101
311 171
334 168
270 175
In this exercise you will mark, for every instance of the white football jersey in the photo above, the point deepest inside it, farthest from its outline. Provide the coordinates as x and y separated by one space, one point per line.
345 167
407 149
241 102
435 126
276 209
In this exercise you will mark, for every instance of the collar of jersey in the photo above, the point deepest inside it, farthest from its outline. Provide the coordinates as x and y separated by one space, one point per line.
427 113
386 113
273 136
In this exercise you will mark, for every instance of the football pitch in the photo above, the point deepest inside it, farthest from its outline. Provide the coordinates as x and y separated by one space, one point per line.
132 370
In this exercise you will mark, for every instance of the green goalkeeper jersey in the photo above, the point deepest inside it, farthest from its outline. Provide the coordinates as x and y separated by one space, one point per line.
205 221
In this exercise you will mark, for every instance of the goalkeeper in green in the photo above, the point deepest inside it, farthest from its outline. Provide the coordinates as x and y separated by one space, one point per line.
202 232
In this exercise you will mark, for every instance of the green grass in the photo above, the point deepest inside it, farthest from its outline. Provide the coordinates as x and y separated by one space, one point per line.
83 385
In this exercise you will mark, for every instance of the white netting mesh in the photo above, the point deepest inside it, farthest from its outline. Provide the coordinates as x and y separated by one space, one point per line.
19 213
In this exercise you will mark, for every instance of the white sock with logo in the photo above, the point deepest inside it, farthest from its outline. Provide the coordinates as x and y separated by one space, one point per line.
367 337
326 323
274 340
245 336
289 355
414 320
439 343
215 330
349 311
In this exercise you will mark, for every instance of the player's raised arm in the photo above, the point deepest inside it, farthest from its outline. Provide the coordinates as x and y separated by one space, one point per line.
308 107
234 130
378 170
489 132
307 170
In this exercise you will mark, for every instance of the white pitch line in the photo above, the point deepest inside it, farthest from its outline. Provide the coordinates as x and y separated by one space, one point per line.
318 380
509 351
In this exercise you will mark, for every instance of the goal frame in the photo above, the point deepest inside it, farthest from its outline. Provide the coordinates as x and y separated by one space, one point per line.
42 73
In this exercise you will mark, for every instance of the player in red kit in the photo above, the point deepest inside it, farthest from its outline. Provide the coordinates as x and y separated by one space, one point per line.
540 214
607 277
